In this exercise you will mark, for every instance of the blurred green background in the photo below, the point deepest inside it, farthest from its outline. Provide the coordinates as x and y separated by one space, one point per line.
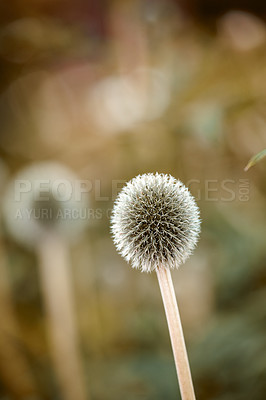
112 89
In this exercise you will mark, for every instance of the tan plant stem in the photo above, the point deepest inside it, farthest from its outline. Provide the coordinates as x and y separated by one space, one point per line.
176 333
57 292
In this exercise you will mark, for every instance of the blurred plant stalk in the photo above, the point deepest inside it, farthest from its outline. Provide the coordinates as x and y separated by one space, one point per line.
56 286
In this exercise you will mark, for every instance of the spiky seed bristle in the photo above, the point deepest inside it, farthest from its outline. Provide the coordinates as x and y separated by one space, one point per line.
155 222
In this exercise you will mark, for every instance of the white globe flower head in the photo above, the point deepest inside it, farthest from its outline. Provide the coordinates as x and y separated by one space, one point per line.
44 198
155 222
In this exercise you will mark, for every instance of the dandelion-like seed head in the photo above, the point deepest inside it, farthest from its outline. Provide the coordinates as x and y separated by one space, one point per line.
34 205
155 222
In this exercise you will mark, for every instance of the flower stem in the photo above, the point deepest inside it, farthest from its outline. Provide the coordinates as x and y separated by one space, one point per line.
176 333
57 292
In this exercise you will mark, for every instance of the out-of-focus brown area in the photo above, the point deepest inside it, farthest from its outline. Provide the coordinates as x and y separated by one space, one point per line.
108 90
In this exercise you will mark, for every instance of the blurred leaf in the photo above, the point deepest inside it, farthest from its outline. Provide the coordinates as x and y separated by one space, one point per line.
255 159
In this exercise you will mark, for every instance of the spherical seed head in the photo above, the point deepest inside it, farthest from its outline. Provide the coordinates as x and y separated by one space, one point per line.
155 222
31 212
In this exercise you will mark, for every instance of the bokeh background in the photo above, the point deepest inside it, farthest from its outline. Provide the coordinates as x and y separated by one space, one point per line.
111 89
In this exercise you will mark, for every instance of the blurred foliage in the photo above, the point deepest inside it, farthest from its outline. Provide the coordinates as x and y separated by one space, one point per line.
255 159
